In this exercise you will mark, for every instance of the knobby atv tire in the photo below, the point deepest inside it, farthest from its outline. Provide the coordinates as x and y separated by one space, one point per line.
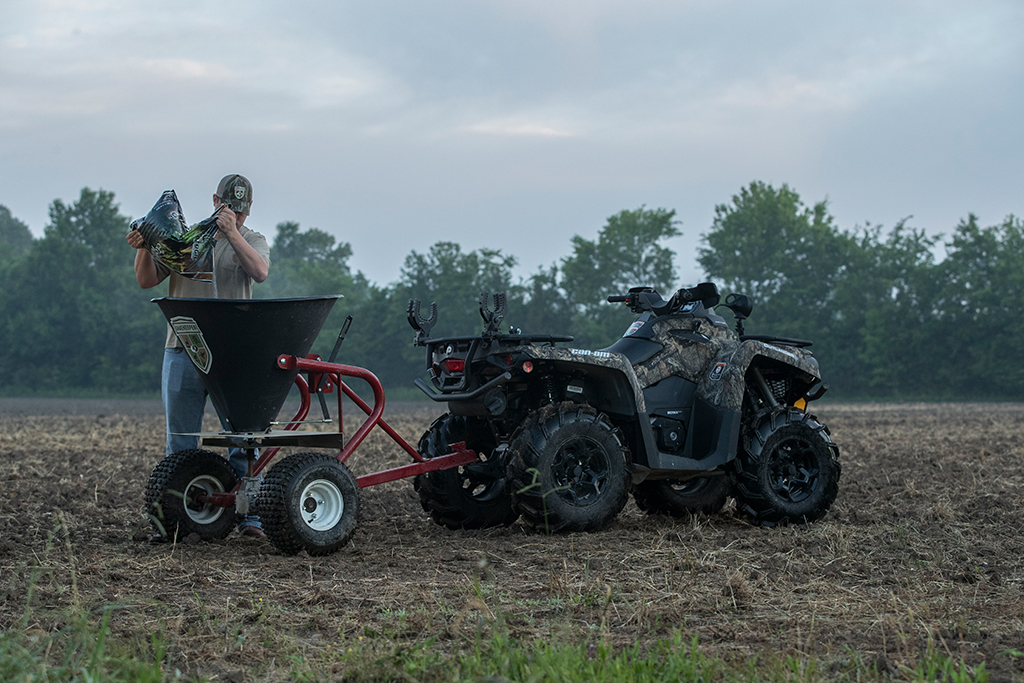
568 469
309 501
469 496
788 471
174 487
703 495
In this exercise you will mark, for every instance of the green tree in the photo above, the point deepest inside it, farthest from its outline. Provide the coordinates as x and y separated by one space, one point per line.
787 257
982 310
312 263
454 280
307 263
73 314
888 317
15 237
626 254
539 305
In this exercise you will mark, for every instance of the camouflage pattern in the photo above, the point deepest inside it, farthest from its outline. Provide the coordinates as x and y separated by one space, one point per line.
695 349
689 346
725 387
605 359
235 191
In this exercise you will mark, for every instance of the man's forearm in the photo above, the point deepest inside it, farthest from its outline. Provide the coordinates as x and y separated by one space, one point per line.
145 269
250 260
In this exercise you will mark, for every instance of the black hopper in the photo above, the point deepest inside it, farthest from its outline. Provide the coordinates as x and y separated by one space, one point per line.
235 344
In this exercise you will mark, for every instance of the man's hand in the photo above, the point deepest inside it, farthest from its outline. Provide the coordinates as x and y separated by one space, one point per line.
145 267
252 263
134 238
227 222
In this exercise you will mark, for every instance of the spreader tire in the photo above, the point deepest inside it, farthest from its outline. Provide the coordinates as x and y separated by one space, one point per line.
788 471
309 501
172 495
568 469
472 496
703 495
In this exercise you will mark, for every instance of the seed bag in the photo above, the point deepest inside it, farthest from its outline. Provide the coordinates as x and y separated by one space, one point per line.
184 250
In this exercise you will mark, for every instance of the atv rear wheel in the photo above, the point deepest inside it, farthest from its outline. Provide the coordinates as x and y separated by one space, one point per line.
788 471
309 501
703 495
472 496
174 491
568 469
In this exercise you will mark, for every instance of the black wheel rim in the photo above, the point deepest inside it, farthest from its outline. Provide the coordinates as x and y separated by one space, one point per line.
580 471
793 469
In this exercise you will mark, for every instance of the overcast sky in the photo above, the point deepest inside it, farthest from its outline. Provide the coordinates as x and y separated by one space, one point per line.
514 125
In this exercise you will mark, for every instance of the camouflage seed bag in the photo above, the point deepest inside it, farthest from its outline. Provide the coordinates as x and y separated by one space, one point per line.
186 251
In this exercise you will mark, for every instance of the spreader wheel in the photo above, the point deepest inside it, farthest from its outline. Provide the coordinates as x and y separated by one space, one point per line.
472 496
788 470
569 469
176 492
703 495
309 501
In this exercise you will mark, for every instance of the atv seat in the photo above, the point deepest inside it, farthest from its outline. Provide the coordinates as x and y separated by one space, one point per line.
787 341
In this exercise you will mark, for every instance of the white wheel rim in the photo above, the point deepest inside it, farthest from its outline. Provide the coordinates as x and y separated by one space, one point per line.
321 505
202 513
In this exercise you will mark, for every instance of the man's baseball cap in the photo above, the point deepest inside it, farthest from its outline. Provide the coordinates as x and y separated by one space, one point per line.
235 191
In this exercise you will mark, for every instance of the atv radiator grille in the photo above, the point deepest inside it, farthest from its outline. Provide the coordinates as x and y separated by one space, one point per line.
779 388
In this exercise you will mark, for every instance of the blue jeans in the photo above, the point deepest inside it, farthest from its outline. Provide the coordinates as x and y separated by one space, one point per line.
184 398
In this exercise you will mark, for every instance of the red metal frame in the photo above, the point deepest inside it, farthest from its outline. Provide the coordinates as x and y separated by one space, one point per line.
316 370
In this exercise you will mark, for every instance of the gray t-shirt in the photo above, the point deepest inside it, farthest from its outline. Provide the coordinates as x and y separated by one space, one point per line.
232 281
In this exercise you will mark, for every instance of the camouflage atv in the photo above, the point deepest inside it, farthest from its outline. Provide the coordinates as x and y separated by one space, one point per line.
681 411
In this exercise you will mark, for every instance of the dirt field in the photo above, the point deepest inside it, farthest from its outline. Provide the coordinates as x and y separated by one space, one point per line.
923 549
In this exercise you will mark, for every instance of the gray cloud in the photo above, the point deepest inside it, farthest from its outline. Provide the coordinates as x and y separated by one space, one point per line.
513 125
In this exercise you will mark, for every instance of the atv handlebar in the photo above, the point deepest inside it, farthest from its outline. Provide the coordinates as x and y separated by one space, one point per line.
640 299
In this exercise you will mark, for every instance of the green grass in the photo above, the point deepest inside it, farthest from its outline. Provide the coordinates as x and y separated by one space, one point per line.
77 643
83 650
79 651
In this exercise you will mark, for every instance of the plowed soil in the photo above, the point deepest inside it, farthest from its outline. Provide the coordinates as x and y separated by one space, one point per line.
922 551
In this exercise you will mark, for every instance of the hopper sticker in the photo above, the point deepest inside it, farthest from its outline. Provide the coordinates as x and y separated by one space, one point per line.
191 338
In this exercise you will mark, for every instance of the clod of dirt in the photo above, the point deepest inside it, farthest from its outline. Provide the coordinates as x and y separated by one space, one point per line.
737 590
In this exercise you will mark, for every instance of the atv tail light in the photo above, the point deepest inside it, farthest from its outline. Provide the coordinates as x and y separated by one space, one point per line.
454 366
527 366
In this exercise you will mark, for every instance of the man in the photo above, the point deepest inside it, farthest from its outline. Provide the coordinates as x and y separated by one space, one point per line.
241 256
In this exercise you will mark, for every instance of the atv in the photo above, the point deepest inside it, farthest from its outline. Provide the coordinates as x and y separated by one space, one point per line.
681 411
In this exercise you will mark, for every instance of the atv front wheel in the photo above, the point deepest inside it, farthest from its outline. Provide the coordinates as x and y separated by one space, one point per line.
568 470
703 495
309 501
472 496
788 471
175 495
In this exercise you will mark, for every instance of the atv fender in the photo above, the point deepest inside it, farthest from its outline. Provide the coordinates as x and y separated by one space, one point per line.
610 372
723 383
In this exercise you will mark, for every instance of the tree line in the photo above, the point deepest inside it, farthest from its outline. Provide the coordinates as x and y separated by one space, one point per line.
894 313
